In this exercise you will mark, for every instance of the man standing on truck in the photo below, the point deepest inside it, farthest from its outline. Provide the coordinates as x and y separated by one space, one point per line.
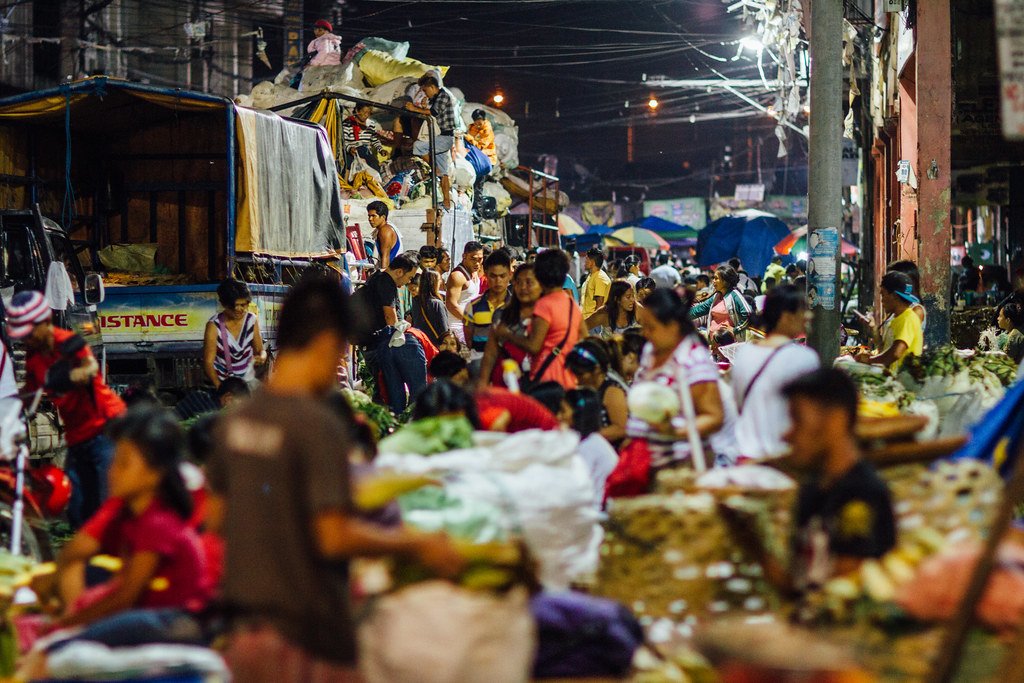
385 236
442 108
62 362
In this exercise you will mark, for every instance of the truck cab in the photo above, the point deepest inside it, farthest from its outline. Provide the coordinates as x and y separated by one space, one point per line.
34 250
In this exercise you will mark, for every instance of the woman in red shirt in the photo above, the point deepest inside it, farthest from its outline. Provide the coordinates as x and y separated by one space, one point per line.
163 581
556 326
516 317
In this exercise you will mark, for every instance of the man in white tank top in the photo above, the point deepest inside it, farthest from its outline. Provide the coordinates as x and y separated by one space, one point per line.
463 286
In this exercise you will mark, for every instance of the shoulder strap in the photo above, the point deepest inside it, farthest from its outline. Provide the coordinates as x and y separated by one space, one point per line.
690 413
423 311
225 347
757 375
555 352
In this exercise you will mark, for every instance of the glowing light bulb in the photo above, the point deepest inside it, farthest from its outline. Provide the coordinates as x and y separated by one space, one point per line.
498 98
653 103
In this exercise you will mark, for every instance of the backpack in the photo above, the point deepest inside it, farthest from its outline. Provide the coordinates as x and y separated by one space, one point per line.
581 635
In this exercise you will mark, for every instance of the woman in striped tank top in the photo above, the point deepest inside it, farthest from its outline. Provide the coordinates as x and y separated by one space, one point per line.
232 345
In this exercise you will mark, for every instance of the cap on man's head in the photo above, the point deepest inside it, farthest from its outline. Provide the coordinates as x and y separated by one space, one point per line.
26 310
324 24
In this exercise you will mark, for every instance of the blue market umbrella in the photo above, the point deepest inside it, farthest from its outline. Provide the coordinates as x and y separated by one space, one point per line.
749 235
600 230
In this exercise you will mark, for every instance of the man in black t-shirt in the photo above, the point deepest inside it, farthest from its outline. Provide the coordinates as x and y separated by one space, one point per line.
403 368
844 512
279 495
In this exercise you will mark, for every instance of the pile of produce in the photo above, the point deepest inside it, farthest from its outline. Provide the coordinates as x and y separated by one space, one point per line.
877 580
532 484
936 508
430 435
875 384
489 566
963 384
381 419
957 499
998 363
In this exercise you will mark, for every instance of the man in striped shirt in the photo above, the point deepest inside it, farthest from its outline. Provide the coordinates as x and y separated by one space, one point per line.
480 311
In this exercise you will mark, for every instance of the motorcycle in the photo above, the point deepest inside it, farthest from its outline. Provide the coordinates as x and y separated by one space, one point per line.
29 495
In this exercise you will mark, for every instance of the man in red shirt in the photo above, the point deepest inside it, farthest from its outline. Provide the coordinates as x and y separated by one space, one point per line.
62 362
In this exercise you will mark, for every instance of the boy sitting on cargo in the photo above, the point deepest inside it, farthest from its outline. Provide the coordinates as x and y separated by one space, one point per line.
844 513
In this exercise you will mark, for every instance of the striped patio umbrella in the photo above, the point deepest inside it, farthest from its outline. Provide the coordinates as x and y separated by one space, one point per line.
638 237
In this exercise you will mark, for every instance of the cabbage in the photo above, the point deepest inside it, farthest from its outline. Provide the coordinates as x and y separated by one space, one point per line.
652 402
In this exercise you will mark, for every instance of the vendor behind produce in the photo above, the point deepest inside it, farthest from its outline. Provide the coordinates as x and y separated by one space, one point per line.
844 512
902 332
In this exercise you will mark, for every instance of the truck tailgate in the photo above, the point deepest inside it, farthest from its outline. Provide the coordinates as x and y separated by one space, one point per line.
145 316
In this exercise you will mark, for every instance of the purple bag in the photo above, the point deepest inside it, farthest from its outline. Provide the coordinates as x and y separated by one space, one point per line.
581 635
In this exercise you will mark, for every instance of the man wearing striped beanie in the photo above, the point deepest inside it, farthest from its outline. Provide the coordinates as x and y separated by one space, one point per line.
60 361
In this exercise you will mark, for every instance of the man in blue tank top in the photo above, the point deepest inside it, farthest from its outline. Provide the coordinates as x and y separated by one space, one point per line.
385 236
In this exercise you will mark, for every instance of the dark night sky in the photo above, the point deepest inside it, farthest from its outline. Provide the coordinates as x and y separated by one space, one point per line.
567 69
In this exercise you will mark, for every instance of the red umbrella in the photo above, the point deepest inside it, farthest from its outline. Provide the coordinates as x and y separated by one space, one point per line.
799 237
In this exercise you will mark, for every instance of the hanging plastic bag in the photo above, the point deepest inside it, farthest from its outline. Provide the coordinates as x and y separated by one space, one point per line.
436 632
632 476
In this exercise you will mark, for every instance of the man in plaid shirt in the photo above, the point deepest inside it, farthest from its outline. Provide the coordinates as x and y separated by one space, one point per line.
442 108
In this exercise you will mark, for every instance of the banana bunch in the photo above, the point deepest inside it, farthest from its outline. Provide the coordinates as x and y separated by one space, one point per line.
999 364
869 408
489 566
380 488
943 361
879 580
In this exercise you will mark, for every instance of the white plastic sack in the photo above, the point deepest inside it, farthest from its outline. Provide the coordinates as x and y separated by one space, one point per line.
926 409
266 95
332 77
502 198
59 290
86 660
436 632
465 176
967 411
542 485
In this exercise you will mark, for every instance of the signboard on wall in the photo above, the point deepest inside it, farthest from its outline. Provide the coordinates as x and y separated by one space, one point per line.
1010 49
684 211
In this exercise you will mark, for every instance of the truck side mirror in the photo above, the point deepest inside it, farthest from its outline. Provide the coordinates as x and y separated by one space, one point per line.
94 291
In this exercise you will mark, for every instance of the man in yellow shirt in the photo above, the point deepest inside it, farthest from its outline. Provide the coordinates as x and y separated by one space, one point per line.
595 290
902 334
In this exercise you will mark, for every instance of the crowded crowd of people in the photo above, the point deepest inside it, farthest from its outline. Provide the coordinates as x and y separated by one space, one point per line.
509 340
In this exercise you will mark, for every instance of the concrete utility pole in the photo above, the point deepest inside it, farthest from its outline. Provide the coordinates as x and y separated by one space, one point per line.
934 121
824 211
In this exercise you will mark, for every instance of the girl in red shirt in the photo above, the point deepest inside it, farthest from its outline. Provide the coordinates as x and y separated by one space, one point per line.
163 581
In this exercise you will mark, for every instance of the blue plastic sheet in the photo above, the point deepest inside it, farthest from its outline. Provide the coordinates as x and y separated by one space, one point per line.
749 236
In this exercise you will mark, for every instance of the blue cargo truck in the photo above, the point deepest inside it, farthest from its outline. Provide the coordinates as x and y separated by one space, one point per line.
164 193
